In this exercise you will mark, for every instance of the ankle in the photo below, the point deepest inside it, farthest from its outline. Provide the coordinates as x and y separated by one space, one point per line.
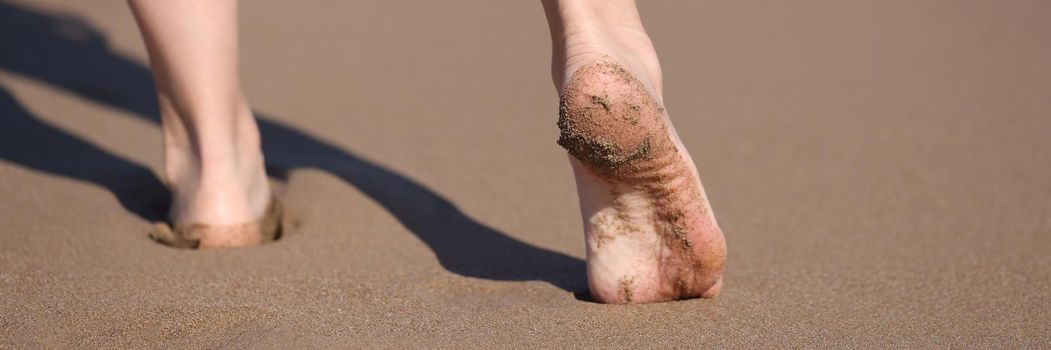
589 31
216 176
583 15
203 147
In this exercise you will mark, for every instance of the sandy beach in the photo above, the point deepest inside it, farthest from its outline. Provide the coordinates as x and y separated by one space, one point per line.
882 171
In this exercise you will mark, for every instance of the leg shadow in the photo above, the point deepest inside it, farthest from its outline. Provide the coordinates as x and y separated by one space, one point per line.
68 53
26 140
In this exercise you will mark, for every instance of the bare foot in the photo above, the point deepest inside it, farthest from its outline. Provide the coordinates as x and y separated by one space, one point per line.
213 163
649 229
220 193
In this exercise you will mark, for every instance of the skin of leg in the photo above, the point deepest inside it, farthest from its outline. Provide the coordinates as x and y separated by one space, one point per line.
213 161
634 219
583 30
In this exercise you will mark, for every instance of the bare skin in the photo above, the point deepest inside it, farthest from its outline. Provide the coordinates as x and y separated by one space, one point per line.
213 162
649 229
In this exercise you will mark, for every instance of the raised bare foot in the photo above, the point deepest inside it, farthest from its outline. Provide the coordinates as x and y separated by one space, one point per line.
220 192
649 230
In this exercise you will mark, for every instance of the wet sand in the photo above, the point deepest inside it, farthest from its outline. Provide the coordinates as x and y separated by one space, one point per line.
881 170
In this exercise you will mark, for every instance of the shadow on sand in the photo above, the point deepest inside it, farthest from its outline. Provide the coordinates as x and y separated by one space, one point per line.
67 53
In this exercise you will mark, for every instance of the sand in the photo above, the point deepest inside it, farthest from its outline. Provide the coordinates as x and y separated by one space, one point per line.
881 170
609 140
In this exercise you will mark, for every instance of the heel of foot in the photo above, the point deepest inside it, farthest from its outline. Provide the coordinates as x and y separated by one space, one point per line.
608 120
193 236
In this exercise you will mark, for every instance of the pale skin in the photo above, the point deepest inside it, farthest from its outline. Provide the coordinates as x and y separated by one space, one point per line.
213 162
215 168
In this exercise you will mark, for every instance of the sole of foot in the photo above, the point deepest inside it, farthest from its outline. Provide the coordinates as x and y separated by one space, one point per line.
649 230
